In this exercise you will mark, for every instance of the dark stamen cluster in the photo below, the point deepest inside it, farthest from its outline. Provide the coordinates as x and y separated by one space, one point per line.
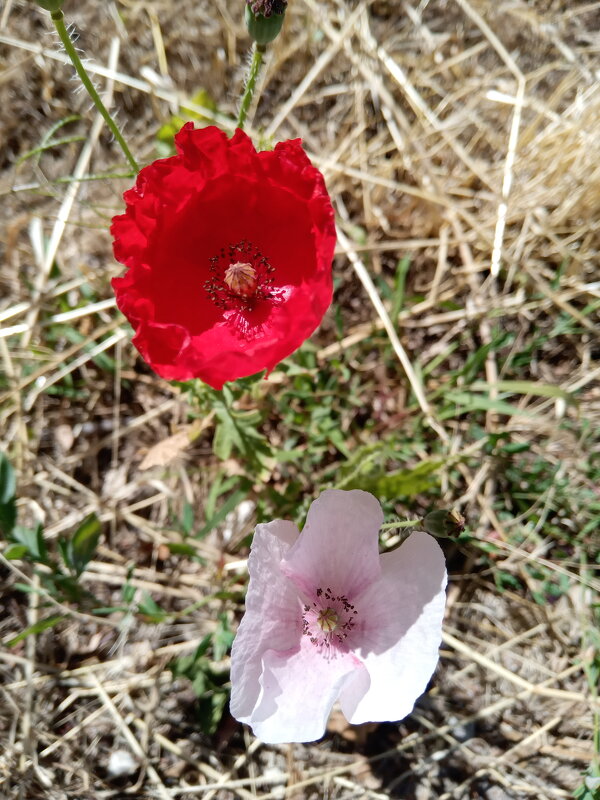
221 294
345 625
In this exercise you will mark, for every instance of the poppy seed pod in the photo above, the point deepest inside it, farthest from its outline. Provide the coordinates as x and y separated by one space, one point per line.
444 524
264 19
50 5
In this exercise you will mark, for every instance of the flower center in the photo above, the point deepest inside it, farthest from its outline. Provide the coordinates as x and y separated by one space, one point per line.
240 277
328 620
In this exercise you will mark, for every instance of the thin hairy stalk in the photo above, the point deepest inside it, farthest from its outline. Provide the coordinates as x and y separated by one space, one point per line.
59 23
258 52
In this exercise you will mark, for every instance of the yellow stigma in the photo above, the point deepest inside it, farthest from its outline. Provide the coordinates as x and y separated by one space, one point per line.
241 279
328 620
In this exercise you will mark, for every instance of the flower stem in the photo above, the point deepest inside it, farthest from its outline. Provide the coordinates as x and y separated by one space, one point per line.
405 523
258 52
59 24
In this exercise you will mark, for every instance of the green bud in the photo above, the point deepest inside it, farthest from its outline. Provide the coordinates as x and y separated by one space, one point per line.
444 524
264 19
50 5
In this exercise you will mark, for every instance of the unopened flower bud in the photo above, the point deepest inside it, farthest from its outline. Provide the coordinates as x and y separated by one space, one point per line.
264 19
50 5
444 524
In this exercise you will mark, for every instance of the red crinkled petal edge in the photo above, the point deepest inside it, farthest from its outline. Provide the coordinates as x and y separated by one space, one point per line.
162 190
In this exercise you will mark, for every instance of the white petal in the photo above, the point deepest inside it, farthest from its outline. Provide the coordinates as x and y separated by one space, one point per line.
338 546
273 618
298 690
401 621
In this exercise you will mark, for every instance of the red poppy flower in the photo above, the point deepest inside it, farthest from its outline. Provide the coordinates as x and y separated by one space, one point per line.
229 254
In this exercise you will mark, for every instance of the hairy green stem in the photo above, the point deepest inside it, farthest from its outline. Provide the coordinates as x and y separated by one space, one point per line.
258 52
59 23
405 523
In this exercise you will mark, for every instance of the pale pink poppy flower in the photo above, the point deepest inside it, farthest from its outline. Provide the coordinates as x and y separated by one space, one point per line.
328 618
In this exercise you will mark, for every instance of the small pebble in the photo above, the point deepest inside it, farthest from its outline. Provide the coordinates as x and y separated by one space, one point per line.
121 763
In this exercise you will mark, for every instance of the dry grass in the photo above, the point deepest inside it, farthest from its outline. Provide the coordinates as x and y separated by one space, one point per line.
463 133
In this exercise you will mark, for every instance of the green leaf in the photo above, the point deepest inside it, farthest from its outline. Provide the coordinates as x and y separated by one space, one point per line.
8 488
338 440
188 666
223 439
150 608
106 610
27 588
37 627
84 542
65 587
8 483
15 551
211 707
399 284
231 502
33 540
199 683
473 402
64 549
510 448
128 590
283 456
220 486
222 638
402 483
182 549
187 519
525 387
